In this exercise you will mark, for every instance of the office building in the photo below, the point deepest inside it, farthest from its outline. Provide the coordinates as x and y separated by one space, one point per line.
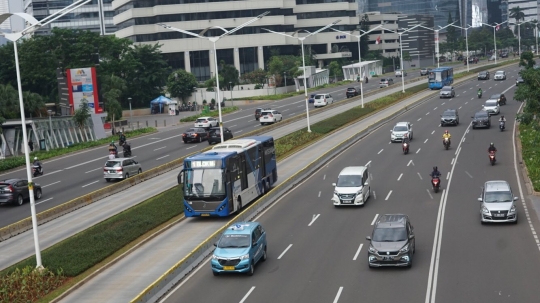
528 7
4 8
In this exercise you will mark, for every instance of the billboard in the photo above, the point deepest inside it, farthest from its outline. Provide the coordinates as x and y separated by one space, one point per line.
82 86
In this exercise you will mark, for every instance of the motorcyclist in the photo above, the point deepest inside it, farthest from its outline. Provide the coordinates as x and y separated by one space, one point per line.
121 138
479 92
406 140
502 119
492 147
446 135
113 148
127 148
436 174
37 163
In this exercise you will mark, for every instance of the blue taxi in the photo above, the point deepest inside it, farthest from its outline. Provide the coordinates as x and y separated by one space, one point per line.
239 248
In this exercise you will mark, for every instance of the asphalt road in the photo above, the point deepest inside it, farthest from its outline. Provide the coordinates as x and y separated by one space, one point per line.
317 253
74 175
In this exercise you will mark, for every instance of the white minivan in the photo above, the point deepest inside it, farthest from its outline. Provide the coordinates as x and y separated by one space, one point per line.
323 100
352 187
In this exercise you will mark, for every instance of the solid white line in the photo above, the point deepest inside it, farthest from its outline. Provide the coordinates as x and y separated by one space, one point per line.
191 147
369 162
247 295
314 218
338 294
162 157
380 151
374 219
452 162
459 148
447 175
50 184
400 176
358 252
420 176
93 170
162 147
388 196
418 150
286 249
410 161
426 140
90 183
43 201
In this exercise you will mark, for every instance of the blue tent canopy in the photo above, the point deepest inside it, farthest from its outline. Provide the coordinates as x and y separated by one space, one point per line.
161 100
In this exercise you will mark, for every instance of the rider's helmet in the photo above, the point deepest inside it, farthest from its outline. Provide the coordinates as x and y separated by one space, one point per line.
491 144
35 158
435 168
446 132
502 117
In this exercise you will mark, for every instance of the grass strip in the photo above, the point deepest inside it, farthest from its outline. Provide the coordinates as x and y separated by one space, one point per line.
18 161
530 143
213 113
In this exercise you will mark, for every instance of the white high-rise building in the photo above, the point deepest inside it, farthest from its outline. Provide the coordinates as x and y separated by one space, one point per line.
4 8
529 8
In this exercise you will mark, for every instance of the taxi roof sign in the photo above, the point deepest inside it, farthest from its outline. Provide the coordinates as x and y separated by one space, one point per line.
238 226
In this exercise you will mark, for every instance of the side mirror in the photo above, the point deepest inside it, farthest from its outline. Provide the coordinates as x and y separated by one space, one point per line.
482 106
215 244
516 198
479 199
472 117
334 184
411 237
366 184
390 130
368 238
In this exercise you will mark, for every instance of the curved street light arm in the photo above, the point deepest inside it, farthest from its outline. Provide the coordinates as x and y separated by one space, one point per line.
180 30
211 27
281 33
245 24
323 28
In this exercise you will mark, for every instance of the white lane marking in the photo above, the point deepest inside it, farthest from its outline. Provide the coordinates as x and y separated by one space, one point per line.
452 162
93 170
427 113
463 139
400 177
357 252
466 102
447 175
160 148
154 138
324 177
435 108
369 162
374 195
232 126
258 125
419 119
283 253
239 131
380 151
291 114
43 201
90 183
338 294
429 194
313 219
247 295
162 157
426 140
460 107
418 150
50 184
410 162
388 196
459 148
432 132
468 174
191 147
419 175
54 172
319 194
443 103
374 219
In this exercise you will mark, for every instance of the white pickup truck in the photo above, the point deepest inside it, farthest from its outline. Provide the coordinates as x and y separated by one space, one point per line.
398 73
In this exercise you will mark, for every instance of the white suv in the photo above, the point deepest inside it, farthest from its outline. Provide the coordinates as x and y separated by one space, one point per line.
270 116
497 203
323 100
400 73
206 122
352 187
400 130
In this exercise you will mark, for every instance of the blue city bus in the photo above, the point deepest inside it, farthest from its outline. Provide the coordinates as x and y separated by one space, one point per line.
221 181
439 77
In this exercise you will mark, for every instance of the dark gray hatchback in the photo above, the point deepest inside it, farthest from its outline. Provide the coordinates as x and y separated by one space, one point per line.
15 191
392 242
481 119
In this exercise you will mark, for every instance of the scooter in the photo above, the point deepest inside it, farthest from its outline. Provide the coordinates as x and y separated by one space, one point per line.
435 182
501 125
446 143
37 171
405 147
492 158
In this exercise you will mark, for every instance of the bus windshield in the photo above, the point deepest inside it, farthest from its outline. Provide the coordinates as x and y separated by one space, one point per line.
204 182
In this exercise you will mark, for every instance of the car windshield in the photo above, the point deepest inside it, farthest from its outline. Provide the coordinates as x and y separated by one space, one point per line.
446 88
350 89
481 115
112 164
204 182
498 196
233 241
482 73
491 103
319 97
389 234
201 120
400 128
191 130
449 114
383 80
349 181
215 131
499 73
494 96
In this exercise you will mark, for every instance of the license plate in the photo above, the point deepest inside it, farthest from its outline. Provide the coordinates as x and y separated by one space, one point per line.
388 258
205 215
498 215
347 201
112 171
228 267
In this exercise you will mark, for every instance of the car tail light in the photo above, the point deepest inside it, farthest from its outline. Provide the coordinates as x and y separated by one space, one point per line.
183 135
119 169
196 135
9 188
270 115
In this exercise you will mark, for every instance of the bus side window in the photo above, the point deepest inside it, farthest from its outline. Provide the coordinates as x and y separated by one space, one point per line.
181 177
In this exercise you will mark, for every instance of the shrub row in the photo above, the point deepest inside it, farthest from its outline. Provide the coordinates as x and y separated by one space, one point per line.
28 284
18 161
295 93
213 113
530 142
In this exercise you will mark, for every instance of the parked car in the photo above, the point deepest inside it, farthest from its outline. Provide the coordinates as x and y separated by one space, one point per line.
450 117
312 98
447 92
499 75
484 75
400 73
258 112
385 82
519 80
195 134
121 168
399 130
481 119
497 203
352 92
206 122
323 100
15 191
392 242
501 98
491 107
214 135
270 116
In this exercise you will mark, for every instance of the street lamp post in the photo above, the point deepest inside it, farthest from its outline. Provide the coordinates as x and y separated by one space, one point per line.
285 75
14 37
437 39
494 38
50 125
401 52
214 40
360 56
304 60
130 114
467 42
230 88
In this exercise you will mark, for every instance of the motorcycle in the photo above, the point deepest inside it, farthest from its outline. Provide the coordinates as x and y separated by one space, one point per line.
37 171
492 158
113 153
479 95
446 143
127 153
501 125
435 182
405 148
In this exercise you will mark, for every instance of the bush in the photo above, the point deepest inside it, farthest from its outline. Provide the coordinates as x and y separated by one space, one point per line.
530 142
213 113
28 284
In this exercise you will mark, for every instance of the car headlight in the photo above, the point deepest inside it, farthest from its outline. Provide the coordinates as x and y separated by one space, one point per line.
405 248
513 209
214 257
244 257
372 249
485 210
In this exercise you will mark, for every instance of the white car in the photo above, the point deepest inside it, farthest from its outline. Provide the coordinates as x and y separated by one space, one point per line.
500 75
492 107
206 122
398 73
398 132
323 100
270 116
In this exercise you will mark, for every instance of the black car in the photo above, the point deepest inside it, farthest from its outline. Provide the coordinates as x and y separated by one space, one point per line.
195 134
258 112
214 135
16 191
499 97
519 81
450 117
483 75
352 92
481 119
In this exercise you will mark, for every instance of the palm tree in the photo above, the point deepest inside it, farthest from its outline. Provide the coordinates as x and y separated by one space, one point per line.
112 88
518 14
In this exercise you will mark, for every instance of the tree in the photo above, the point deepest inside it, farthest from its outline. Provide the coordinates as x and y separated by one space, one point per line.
8 102
529 93
112 88
518 14
180 84
257 76
335 69
230 75
407 57
277 65
527 60
33 103
364 40
81 115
